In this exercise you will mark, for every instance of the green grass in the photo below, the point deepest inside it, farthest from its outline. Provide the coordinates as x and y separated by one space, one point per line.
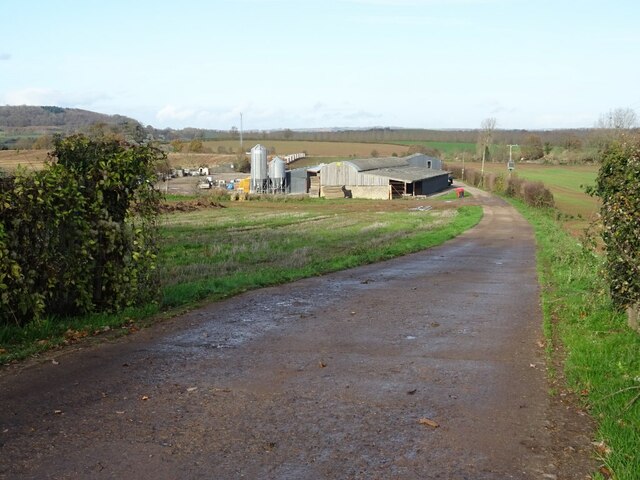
452 195
602 354
212 254
215 253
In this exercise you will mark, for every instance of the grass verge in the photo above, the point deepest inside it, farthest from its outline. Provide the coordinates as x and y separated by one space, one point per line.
602 363
215 253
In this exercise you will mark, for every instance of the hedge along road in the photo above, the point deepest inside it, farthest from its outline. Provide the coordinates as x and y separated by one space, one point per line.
425 366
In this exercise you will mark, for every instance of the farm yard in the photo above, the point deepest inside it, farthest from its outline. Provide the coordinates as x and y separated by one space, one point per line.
234 245
212 247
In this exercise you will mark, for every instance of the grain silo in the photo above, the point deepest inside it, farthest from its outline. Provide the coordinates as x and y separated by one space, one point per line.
259 173
276 175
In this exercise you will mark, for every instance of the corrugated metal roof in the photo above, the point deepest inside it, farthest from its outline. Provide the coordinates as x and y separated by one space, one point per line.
407 174
367 164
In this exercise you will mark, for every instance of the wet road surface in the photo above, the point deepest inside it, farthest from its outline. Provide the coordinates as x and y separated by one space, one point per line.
426 366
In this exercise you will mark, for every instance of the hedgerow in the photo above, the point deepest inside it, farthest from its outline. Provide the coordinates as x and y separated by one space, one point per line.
618 186
535 194
80 235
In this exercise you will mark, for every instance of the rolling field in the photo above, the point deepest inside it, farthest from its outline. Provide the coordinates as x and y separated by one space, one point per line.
214 252
566 182
316 149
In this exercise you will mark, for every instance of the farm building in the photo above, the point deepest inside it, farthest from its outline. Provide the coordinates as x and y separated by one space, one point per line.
374 178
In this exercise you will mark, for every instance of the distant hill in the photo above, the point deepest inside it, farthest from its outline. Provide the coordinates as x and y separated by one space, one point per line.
55 118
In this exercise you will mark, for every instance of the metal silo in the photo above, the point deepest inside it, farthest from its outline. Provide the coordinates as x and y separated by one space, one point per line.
259 173
276 174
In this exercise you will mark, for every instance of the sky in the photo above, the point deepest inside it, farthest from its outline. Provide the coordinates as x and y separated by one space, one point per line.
437 64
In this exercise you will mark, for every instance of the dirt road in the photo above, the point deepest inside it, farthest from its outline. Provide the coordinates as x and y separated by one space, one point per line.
427 366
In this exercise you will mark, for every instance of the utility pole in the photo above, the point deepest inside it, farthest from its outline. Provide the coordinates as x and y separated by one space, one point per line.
241 149
511 165
463 165
484 149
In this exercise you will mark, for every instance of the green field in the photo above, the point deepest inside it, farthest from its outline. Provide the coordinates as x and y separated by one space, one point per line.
217 252
567 183
214 253
444 147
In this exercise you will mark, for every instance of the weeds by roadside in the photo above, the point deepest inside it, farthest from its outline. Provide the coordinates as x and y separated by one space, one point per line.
602 362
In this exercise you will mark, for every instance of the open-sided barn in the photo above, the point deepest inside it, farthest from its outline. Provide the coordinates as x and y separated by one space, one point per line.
375 178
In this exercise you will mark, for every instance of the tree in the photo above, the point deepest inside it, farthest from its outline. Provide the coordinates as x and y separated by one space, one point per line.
287 134
234 133
420 148
375 153
611 126
532 148
44 142
177 145
243 164
24 143
487 127
573 142
618 119
196 146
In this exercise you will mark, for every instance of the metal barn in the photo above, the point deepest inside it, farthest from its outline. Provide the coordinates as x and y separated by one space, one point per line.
382 178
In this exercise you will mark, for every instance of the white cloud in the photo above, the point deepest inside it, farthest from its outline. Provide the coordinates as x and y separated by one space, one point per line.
5 56
259 117
170 113
48 96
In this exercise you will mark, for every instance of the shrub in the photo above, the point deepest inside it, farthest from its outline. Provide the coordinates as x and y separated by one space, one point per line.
618 185
79 235
532 193
514 187
537 195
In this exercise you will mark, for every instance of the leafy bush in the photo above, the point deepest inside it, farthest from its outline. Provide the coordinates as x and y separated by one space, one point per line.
618 185
79 235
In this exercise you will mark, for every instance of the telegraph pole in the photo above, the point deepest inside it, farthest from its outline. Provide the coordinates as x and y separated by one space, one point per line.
511 165
241 149
484 149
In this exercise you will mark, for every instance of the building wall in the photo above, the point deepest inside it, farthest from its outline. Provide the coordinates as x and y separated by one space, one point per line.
297 181
343 173
421 160
373 192
435 184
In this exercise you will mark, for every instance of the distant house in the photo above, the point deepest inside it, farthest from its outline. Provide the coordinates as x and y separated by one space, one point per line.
374 178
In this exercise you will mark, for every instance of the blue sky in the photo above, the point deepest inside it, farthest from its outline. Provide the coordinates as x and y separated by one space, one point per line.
330 63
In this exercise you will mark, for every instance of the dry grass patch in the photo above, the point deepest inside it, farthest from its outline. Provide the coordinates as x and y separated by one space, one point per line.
30 159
